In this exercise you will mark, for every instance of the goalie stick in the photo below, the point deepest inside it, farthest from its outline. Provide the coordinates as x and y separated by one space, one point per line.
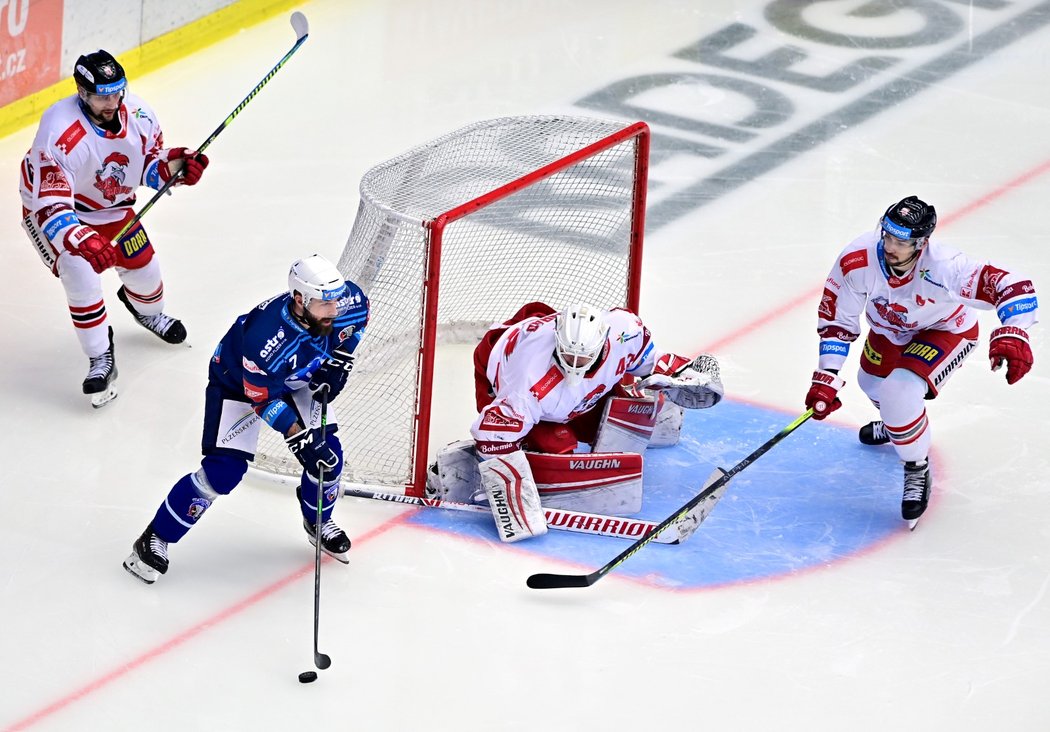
302 31
550 581
557 518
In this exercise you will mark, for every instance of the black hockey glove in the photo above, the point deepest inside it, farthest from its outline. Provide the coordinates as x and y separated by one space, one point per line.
327 377
332 374
311 453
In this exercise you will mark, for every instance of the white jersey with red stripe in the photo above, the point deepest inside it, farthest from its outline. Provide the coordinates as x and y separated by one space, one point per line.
76 171
530 387
941 292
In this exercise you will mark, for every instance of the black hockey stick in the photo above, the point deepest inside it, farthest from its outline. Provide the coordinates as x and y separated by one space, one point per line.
548 581
321 660
302 30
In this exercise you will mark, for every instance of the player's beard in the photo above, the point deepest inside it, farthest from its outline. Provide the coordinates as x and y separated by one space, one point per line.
317 327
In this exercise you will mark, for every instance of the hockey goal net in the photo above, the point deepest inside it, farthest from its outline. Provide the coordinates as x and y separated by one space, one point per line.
455 235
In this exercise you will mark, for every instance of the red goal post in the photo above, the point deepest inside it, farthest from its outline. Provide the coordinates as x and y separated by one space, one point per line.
455 235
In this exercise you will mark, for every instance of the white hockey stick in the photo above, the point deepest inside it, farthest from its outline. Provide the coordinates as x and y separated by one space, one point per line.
561 519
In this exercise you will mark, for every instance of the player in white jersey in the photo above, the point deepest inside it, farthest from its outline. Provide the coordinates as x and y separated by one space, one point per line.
91 153
542 379
919 299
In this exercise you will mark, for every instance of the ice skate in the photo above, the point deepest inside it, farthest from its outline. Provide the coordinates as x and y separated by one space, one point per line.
163 326
102 372
334 540
917 484
149 557
874 433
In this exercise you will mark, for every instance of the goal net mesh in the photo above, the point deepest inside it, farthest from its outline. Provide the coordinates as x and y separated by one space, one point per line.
457 234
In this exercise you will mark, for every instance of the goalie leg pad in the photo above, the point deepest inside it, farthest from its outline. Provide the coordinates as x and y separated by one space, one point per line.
627 424
668 427
454 475
604 483
513 497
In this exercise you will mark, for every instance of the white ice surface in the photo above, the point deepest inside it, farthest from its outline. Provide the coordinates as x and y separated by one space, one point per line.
948 629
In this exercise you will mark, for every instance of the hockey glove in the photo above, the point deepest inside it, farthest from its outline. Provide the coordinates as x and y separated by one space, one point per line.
1010 344
822 397
328 377
190 162
311 453
87 243
332 374
692 384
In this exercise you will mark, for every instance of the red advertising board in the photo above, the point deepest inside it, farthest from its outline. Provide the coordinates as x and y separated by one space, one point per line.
30 47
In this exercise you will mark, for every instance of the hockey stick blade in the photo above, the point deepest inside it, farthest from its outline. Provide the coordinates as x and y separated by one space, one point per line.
552 581
300 25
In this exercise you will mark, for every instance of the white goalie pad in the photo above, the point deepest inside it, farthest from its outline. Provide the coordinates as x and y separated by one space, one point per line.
513 497
627 424
605 483
454 475
668 427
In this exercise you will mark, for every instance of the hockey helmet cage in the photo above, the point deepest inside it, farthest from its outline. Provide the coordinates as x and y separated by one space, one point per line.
99 73
582 334
315 278
909 219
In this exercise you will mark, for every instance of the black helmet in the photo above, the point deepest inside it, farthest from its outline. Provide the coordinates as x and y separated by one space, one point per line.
99 73
910 218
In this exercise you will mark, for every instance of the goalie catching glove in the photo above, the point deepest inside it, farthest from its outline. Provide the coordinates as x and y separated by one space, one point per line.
692 384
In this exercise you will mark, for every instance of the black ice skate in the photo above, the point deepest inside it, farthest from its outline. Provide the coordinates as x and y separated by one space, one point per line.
334 540
149 557
163 326
101 374
917 484
874 433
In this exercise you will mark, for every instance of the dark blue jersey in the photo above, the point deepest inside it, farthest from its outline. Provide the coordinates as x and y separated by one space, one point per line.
266 354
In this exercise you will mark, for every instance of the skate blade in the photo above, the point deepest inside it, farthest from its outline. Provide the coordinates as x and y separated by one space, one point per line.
338 557
912 523
139 570
103 398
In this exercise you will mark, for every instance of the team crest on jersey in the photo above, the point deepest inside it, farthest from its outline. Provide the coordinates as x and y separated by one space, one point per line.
110 180
892 313
346 332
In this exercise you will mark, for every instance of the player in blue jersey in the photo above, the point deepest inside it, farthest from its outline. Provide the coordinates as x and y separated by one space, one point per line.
271 367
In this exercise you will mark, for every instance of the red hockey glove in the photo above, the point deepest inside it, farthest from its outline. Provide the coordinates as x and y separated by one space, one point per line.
87 243
190 162
823 394
1010 344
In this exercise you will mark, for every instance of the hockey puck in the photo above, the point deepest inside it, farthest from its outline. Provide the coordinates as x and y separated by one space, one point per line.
307 677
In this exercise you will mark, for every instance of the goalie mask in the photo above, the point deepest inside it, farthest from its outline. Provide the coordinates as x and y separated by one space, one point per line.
315 278
582 335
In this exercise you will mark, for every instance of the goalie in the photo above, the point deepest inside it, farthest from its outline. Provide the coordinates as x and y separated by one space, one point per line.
548 381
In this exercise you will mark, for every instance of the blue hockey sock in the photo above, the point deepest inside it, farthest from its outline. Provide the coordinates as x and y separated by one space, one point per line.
182 508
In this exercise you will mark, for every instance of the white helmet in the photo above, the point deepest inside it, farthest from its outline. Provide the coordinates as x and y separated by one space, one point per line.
581 336
315 278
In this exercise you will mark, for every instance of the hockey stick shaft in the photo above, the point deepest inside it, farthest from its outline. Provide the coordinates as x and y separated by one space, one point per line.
302 31
557 518
549 581
321 660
